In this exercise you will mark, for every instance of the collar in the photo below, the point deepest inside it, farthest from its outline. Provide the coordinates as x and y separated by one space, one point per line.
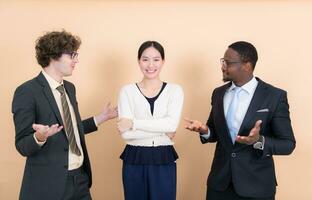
249 87
52 83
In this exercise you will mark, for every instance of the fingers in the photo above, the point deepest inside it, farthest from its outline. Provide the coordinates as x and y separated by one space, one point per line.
190 126
244 139
255 131
124 124
193 128
45 131
188 120
59 128
55 128
194 125
40 128
258 123
253 135
171 135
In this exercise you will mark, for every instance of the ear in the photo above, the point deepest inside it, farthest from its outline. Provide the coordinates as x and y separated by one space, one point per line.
163 61
248 67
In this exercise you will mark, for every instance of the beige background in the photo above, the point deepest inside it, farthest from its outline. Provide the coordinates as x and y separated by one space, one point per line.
195 35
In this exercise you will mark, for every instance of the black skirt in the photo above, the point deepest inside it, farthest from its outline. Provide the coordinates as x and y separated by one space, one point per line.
138 155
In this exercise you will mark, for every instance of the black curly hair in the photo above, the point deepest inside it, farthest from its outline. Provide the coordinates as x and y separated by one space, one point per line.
53 44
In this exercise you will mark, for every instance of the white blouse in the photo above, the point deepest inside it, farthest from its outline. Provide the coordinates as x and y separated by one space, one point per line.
148 129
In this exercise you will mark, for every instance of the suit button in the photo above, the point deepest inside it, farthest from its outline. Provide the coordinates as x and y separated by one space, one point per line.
66 166
233 155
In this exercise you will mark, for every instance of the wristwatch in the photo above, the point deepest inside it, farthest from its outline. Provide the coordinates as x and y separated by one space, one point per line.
260 143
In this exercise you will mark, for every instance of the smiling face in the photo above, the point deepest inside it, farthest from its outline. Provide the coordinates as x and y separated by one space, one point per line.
151 63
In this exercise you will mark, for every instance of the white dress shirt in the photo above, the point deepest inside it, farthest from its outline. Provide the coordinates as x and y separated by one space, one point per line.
245 97
74 161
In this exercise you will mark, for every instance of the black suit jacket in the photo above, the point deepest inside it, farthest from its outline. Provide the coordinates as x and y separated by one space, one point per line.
46 167
251 170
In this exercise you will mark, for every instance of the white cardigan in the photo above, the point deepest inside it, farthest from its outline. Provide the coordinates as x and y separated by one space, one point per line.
148 129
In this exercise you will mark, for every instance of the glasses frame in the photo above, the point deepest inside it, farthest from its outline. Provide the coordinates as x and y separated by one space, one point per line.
226 63
72 55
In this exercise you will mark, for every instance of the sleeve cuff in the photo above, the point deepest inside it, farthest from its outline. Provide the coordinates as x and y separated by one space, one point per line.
205 135
39 143
95 122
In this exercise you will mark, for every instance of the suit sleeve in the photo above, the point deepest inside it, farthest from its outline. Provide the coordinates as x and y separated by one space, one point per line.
282 141
89 125
210 124
24 110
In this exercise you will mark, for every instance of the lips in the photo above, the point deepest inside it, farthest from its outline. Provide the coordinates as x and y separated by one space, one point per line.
151 71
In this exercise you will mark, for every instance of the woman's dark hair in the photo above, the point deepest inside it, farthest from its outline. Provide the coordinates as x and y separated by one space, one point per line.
247 52
53 44
154 44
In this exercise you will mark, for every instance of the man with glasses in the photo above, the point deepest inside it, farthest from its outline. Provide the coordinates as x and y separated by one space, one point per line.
49 130
249 121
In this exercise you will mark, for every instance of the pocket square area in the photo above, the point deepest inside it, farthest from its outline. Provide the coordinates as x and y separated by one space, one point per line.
263 110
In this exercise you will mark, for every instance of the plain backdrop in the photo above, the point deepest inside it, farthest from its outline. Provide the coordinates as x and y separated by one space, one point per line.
195 35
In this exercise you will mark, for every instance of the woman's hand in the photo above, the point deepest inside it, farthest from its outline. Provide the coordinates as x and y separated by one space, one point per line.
124 124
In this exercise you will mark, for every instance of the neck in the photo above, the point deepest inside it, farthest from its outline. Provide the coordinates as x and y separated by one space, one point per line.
243 81
151 83
53 73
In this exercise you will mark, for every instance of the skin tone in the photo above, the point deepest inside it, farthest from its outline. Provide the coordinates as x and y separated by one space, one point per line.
58 69
233 69
150 64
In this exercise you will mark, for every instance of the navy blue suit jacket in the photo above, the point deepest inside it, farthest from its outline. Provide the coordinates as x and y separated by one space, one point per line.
251 171
46 167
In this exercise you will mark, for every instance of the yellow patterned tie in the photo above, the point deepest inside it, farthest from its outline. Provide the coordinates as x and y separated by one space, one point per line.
68 122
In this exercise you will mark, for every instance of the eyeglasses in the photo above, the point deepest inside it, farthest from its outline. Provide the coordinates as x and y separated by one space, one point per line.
228 62
72 55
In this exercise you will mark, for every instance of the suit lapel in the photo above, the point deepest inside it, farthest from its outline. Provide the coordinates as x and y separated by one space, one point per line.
256 102
225 136
49 95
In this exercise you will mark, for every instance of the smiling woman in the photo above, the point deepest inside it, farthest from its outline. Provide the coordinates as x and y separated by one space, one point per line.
149 114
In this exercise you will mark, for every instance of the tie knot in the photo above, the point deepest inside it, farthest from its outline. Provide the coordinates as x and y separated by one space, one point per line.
236 89
61 89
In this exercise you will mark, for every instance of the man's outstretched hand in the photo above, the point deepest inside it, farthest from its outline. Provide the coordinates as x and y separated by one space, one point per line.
253 136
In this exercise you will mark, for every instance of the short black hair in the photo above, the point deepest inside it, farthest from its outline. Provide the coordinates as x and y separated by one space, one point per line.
154 44
247 52
53 44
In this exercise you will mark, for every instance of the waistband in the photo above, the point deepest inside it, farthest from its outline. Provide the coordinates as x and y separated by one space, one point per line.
75 171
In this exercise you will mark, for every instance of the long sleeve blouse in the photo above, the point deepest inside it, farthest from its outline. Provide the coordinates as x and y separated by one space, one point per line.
150 129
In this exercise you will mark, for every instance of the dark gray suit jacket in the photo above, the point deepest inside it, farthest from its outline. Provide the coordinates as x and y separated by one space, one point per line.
47 166
251 171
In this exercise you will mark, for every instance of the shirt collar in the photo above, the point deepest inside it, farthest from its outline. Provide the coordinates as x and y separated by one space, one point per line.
249 87
52 83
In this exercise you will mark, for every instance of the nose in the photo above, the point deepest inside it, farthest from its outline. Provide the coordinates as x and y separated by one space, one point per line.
150 65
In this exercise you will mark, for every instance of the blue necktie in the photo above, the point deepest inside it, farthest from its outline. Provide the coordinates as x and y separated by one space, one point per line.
230 116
